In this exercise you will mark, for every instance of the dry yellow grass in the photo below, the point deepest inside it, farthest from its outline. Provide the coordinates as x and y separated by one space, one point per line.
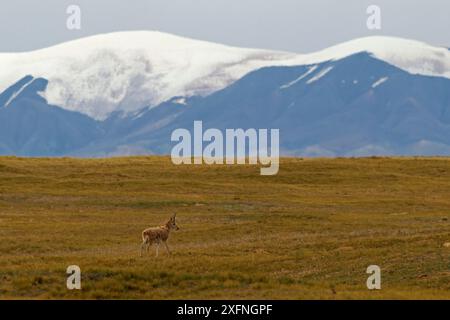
309 232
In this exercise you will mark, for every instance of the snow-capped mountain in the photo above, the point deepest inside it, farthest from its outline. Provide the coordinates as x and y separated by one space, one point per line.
412 56
355 106
30 126
123 94
126 71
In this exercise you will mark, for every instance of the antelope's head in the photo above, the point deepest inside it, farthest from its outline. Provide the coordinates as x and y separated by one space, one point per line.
172 224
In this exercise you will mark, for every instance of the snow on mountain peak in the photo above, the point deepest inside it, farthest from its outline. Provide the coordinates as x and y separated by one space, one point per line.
127 71
413 56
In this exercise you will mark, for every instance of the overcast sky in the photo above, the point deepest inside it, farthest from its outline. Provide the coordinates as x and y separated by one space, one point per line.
291 25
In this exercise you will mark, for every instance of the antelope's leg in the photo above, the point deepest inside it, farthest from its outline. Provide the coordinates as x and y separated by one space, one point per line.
142 247
157 249
167 248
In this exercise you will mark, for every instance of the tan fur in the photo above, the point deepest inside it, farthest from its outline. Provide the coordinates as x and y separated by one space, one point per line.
158 235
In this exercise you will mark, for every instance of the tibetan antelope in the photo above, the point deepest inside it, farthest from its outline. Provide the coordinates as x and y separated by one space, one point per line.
157 235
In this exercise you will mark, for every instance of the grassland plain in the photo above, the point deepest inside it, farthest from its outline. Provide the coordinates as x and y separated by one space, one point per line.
309 232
